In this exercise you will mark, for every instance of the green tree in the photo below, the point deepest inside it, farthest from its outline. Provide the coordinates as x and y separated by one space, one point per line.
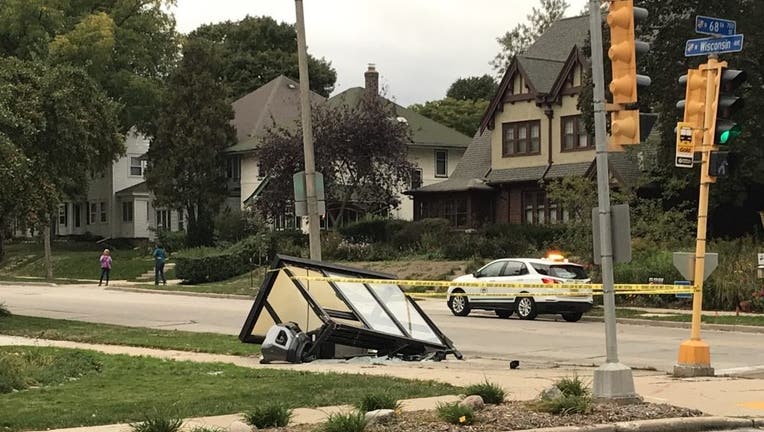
60 129
185 159
461 114
257 50
361 152
127 46
473 88
735 199
522 36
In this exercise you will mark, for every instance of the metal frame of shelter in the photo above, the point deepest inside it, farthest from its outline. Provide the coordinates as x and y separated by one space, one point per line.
378 318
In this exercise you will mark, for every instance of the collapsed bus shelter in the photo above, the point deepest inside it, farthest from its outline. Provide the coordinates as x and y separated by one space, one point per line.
299 315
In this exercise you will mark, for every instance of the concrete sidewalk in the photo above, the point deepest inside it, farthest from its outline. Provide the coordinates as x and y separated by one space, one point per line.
729 396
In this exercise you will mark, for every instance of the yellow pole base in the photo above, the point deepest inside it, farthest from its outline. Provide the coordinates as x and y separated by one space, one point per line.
694 359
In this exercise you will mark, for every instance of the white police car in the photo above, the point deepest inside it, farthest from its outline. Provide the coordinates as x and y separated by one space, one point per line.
551 270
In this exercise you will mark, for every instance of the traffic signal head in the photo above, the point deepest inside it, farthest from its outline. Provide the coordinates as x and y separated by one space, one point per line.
623 50
624 129
718 165
694 103
728 80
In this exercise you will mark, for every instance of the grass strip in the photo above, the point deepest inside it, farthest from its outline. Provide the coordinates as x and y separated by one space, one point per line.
706 318
127 388
80 331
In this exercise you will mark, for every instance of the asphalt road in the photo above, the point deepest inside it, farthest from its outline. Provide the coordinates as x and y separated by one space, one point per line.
541 342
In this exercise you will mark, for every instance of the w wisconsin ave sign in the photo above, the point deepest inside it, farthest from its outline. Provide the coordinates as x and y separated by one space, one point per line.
713 45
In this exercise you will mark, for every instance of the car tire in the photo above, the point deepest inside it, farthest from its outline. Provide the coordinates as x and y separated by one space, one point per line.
526 308
459 305
504 313
572 316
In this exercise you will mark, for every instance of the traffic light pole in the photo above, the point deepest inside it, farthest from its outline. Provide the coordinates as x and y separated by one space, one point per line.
694 353
612 380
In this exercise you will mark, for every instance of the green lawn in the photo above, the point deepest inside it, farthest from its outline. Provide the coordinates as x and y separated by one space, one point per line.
241 285
73 260
706 318
126 389
79 331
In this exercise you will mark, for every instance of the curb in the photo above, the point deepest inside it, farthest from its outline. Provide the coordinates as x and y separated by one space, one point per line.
677 424
40 283
185 293
674 324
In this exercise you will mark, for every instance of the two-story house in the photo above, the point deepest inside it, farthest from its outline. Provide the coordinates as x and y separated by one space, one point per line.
531 132
118 203
435 148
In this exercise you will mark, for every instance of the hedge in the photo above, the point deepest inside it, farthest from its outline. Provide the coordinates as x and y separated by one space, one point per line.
200 265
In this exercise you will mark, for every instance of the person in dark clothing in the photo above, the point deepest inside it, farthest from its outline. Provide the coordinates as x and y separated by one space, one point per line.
159 258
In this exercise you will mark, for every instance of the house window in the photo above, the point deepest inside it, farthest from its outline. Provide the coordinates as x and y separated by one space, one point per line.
136 167
103 212
455 210
537 209
180 220
163 219
63 215
77 214
127 211
521 138
441 163
93 213
260 170
233 168
574 136
416 178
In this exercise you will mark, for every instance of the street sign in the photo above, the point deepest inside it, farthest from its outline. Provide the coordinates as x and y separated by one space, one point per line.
685 263
714 26
684 145
761 259
713 45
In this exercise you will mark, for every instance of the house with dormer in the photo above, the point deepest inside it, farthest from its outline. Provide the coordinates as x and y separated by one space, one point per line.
435 149
531 132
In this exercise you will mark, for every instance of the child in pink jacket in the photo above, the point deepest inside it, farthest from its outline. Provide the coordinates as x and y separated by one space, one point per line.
105 266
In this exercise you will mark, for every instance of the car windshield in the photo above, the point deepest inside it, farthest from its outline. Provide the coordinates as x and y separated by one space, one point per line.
562 271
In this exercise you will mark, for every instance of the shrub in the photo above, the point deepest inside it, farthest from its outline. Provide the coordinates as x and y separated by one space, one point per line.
455 413
157 423
207 429
572 386
565 405
4 312
12 374
172 241
230 226
575 398
491 393
370 230
375 401
268 415
345 422
410 235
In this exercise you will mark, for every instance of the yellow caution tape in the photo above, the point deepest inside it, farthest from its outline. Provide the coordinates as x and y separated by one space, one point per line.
513 289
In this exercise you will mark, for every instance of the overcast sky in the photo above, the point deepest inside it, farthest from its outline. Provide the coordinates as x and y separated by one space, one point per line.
419 46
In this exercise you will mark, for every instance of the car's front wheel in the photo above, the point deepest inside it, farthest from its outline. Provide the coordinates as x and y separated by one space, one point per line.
572 316
459 304
526 308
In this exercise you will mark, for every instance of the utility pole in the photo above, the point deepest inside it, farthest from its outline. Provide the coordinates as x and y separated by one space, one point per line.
314 228
612 380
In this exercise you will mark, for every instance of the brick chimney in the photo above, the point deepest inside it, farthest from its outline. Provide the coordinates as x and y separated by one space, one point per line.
372 80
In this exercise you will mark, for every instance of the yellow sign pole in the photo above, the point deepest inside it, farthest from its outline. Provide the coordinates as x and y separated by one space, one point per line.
694 353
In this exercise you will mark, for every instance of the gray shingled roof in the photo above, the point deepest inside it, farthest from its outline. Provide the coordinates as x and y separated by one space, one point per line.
544 60
625 167
514 175
471 170
275 103
542 73
557 41
564 170
425 132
